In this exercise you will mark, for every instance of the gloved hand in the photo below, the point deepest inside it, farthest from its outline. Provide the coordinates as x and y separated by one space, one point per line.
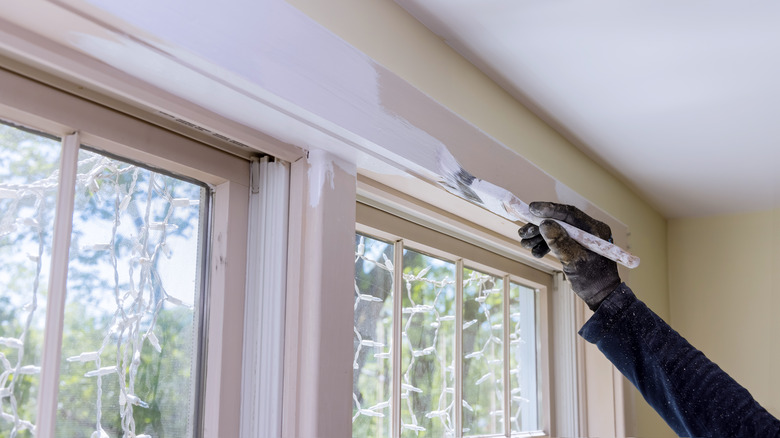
592 276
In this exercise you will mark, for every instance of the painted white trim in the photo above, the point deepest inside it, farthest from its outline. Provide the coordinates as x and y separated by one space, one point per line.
293 350
339 100
507 378
458 390
619 405
261 405
564 359
55 303
398 289
583 313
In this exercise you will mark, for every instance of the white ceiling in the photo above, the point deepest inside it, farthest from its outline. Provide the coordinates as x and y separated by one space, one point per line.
680 99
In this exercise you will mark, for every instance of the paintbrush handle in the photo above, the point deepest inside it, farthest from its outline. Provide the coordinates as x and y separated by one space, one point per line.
457 180
601 246
593 243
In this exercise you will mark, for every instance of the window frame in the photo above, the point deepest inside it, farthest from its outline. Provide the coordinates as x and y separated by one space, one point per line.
332 119
77 121
377 222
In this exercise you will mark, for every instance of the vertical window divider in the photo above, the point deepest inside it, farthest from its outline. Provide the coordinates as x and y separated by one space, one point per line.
55 301
507 376
398 270
458 385
265 305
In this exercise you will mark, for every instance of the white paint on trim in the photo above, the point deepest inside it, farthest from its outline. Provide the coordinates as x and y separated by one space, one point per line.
321 173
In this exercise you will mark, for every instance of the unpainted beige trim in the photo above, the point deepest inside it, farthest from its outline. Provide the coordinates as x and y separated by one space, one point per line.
225 319
384 225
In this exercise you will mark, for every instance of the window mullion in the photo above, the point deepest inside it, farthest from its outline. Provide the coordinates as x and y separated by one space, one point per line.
507 345
55 305
458 390
264 306
398 270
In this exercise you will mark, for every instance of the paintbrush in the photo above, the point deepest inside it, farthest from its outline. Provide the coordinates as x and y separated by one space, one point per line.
502 202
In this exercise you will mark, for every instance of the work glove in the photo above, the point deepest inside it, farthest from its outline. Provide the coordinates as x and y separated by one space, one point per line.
592 276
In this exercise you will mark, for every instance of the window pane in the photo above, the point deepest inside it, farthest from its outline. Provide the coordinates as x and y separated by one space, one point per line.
28 190
483 354
130 335
522 358
372 378
428 347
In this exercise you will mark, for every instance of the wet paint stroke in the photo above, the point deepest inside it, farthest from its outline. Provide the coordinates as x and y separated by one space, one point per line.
288 76
322 173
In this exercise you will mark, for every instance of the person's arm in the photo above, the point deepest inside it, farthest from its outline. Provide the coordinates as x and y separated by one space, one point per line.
692 394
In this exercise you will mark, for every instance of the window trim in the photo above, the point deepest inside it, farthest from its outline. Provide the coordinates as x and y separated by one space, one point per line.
376 222
29 103
331 118
263 345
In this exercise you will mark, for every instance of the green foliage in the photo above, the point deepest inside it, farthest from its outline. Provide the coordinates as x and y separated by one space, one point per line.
159 380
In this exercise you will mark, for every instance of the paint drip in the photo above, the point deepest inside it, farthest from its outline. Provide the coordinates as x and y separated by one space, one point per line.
320 173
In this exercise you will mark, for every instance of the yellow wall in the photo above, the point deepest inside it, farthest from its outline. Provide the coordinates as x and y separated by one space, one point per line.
725 297
385 32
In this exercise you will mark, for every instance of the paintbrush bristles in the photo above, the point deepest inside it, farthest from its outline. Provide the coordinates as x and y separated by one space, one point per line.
502 202
454 177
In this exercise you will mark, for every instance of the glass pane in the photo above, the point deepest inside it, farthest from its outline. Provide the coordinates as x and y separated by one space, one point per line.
522 358
372 378
28 188
428 347
483 354
130 335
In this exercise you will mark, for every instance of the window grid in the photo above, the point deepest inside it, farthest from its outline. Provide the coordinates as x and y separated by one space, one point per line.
95 178
398 427
58 114
398 260
458 387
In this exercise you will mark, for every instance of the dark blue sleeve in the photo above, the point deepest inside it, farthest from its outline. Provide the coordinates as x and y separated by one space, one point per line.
690 392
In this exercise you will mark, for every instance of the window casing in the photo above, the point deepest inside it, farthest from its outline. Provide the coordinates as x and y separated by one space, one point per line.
444 283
